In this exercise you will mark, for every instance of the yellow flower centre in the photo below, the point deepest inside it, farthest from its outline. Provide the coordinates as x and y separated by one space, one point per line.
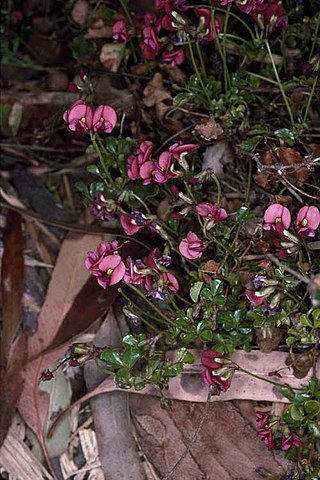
83 119
304 222
109 271
278 220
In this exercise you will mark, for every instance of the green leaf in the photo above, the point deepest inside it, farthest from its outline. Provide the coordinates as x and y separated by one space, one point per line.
93 169
315 429
305 321
296 413
243 214
206 336
250 144
216 286
206 294
83 188
286 135
129 356
312 407
130 340
111 358
82 47
195 291
316 317
220 300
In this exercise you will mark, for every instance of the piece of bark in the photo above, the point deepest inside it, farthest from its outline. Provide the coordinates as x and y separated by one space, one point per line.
117 448
226 448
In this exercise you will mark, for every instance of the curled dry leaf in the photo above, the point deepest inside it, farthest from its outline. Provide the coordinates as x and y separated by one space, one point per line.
281 157
210 270
216 156
209 129
268 343
99 30
300 364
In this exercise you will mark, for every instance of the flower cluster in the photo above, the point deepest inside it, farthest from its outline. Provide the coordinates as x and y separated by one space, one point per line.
81 118
277 218
143 167
267 426
174 21
151 274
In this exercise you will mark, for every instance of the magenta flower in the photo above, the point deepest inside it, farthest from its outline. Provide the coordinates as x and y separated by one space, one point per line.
211 212
272 14
170 282
267 437
192 246
106 264
174 57
205 27
16 17
112 270
208 361
151 20
129 225
150 45
102 208
249 6
262 419
120 31
141 167
104 119
180 150
164 168
79 117
254 299
291 440
307 221
277 218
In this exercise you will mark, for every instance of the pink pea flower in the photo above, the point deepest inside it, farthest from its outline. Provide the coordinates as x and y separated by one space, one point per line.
120 31
174 57
150 45
211 212
129 225
254 299
104 119
164 168
141 167
262 419
192 246
307 221
277 218
180 150
79 117
272 13
205 27
151 20
170 282
208 361
94 259
267 437
249 6
102 208
112 270
291 440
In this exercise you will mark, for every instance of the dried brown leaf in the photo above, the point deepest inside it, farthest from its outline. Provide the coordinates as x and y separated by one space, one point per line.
268 343
79 12
155 92
209 129
13 343
111 56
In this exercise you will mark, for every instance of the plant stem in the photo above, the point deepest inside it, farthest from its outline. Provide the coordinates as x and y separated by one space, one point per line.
126 12
249 183
277 384
152 327
151 305
224 58
313 89
200 56
283 93
194 64
104 166
215 178
315 38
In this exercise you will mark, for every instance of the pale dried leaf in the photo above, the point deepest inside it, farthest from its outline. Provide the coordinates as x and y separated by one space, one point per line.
79 12
111 56
155 92
17 459
209 129
217 156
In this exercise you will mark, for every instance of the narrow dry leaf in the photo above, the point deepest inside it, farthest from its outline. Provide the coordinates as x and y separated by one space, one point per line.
13 342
